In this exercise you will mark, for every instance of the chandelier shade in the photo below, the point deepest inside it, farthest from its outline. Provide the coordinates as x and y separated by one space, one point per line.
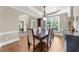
44 18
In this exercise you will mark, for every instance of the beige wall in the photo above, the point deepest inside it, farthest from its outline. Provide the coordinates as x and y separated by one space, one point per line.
75 16
0 17
9 19
63 22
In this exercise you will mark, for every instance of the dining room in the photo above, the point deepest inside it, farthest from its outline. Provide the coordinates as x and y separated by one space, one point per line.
38 28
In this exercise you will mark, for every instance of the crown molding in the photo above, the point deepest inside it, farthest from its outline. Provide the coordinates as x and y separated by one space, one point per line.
28 10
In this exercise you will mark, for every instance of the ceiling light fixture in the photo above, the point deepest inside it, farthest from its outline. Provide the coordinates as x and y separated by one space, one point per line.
44 17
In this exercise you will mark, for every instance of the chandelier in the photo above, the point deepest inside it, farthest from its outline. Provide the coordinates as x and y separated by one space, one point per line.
44 17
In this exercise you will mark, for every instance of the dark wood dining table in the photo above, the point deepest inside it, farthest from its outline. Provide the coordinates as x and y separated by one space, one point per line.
40 34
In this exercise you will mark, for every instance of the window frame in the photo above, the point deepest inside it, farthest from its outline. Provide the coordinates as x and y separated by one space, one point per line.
32 23
51 19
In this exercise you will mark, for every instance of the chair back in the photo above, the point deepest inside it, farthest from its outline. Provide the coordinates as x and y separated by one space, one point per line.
30 35
51 33
50 36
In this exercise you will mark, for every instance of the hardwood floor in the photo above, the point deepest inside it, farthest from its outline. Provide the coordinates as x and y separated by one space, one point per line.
21 45
57 44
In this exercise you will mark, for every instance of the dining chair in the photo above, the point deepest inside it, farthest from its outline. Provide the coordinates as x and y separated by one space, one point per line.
31 39
51 36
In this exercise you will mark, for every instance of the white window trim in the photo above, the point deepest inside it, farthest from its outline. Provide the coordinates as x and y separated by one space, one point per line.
58 22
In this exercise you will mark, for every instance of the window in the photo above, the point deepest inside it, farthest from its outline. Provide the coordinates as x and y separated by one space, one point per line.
53 22
33 23
48 23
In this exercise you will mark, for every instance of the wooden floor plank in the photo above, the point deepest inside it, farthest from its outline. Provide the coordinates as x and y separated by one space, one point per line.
21 45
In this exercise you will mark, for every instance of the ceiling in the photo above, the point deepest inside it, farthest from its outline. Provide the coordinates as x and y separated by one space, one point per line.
39 8
49 9
37 11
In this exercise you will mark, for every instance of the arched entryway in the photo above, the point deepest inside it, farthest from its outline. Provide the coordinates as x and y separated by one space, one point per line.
23 22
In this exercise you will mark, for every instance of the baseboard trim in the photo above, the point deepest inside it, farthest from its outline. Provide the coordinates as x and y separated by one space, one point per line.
8 42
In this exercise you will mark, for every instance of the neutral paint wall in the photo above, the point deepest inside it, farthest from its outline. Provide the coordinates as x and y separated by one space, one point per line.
0 17
63 22
76 11
9 21
76 16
